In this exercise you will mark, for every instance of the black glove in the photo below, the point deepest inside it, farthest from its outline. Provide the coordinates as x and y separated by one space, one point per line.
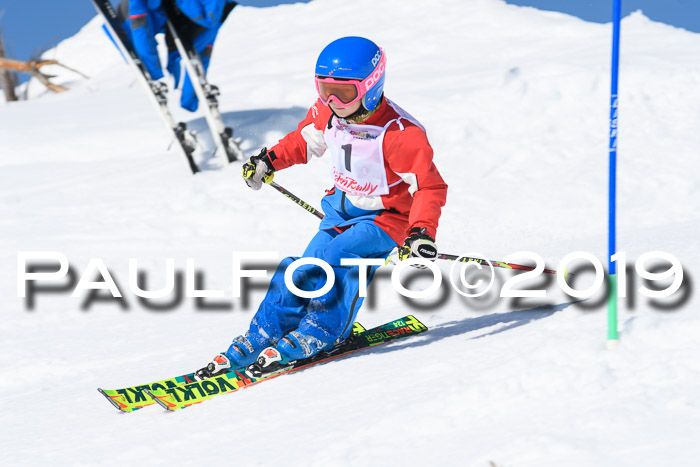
418 244
258 170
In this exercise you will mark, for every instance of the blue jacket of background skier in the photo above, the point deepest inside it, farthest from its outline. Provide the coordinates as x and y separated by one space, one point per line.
197 21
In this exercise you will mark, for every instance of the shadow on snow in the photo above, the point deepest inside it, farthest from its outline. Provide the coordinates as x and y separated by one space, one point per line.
251 126
504 321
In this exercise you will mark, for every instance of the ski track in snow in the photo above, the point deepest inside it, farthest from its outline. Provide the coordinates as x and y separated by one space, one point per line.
515 101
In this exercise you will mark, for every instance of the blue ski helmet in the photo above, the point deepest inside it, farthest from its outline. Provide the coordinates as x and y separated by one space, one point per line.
354 58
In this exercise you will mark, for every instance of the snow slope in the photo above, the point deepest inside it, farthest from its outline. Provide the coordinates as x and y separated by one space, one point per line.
515 101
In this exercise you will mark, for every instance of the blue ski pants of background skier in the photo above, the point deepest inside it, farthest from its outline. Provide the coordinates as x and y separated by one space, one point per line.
326 319
203 44
142 29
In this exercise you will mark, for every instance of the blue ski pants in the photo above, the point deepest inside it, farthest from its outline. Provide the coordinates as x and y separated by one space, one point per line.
327 319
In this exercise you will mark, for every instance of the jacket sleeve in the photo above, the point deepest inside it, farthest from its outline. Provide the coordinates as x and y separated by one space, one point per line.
306 141
409 154
142 20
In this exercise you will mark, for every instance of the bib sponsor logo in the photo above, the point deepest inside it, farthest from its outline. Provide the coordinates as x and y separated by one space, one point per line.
350 185
361 135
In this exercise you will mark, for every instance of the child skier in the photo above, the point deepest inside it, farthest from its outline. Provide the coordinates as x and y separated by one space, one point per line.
387 193
197 22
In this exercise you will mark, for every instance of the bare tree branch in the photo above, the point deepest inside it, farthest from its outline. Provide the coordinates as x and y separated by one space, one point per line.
32 67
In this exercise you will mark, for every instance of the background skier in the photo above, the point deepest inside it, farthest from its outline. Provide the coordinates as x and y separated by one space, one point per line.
196 21
387 193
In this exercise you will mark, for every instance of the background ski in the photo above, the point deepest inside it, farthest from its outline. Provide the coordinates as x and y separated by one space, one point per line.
157 94
207 94
185 395
133 398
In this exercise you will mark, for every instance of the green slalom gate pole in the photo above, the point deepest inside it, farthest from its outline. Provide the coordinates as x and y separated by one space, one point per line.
613 337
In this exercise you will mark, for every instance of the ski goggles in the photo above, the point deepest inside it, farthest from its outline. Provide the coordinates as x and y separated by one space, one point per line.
348 91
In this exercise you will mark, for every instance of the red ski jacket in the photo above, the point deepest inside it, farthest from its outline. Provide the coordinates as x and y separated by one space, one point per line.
415 191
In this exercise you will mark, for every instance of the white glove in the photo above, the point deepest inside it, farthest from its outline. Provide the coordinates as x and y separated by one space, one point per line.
258 170
418 244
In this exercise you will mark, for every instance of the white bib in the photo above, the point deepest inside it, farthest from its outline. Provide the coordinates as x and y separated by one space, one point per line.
357 158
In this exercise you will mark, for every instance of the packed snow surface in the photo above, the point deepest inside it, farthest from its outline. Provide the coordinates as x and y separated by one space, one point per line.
516 104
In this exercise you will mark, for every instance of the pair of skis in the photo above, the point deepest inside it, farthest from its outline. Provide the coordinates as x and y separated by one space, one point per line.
226 146
183 391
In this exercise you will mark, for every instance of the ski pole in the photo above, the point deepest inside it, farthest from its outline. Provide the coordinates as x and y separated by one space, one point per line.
296 199
443 256
498 264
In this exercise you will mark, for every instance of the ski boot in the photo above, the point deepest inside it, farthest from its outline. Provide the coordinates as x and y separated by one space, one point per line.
240 354
291 348
244 349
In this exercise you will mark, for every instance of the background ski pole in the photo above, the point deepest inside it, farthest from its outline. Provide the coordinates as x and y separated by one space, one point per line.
443 256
